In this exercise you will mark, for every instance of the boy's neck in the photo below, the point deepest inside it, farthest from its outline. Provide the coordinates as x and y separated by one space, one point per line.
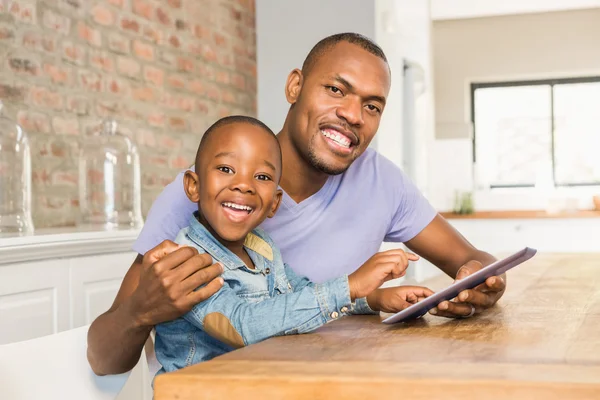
236 247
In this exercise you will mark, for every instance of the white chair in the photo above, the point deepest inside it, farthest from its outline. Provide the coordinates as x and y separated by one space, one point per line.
54 367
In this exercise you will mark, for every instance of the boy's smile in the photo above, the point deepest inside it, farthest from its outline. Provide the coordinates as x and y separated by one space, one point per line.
236 181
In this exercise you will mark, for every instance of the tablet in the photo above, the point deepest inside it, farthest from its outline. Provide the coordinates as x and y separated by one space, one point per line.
471 281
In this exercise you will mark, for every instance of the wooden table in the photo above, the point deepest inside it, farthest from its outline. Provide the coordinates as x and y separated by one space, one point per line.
541 341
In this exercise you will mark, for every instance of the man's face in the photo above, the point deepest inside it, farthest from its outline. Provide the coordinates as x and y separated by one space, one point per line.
236 184
337 107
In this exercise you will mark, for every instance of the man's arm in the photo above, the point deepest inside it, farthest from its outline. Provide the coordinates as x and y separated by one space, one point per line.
158 287
446 248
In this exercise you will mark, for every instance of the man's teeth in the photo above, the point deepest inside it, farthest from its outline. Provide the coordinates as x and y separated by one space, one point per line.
237 206
339 139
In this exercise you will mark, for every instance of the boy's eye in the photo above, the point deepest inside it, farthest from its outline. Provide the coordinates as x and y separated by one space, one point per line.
263 177
227 170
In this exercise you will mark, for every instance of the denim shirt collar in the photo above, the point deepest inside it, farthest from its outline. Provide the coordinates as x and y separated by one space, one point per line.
203 238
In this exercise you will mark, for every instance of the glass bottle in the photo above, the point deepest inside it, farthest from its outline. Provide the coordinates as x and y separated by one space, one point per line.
15 180
109 180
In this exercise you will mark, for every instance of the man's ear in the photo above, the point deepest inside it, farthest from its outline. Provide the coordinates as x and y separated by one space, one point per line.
190 185
276 203
293 86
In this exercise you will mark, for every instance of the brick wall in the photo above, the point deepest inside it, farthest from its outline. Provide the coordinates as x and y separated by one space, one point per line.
165 69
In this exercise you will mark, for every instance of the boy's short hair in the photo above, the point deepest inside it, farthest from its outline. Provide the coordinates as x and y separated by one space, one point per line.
236 119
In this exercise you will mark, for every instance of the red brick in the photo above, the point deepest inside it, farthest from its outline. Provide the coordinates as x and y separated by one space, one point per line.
181 25
186 103
156 119
128 24
11 93
145 138
106 108
223 77
220 40
213 92
194 49
88 34
209 53
224 112
103 15
180 162
238 81
43 97
227 96
143 8
65 126
33 122
225 60
149 180
22 65
23 11
38 41
42 176
208 72
101 60
174 3
90 81
201 32
64 178
118 43
6 33
74 53
143 94
160 161
58 74
128 67
174 41
56 22
118 86
185 64
177 124
77 105
118 3
163 16
154 75
235 14
197 87
176 81
131 114
168 142
153 35
143 50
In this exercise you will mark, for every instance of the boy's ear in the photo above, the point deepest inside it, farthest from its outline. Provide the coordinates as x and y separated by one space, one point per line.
190 185
276 203
293 86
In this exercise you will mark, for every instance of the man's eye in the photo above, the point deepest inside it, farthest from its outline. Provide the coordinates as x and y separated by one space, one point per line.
334 89
263 177
227 170
371 107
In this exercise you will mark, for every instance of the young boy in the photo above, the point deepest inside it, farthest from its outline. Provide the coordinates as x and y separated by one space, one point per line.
235 184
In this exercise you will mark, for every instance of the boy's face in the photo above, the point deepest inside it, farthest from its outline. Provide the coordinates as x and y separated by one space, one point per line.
236 181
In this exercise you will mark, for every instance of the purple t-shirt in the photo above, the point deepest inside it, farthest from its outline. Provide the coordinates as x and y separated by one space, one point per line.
331 233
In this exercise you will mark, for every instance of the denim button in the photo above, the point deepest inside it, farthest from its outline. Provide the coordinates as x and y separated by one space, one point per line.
289 285
344 309
267 271
334 315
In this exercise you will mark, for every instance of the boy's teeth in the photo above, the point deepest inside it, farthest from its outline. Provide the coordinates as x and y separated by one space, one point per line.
237 206
341 140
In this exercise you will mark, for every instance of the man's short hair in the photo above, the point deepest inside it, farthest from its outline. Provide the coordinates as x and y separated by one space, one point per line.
330 41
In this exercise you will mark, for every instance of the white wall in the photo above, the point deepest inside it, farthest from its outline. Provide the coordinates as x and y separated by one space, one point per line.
285 33
455 9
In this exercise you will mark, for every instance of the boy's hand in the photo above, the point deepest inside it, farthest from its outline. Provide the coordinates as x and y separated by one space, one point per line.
380 268
395 299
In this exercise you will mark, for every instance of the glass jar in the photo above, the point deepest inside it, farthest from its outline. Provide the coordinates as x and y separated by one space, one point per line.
109 180
15 180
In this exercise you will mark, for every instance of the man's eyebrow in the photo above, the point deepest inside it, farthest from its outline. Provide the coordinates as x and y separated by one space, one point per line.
350 87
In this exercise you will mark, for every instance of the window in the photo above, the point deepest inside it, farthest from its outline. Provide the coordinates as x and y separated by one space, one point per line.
537 132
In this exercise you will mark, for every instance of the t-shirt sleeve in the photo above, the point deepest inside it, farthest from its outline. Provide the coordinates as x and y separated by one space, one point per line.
411 211
169 213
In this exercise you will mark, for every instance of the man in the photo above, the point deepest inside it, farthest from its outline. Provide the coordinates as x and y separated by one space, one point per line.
340 202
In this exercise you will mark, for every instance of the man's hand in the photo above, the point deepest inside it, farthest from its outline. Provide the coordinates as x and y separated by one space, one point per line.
472 301
169 277
380 268
395 299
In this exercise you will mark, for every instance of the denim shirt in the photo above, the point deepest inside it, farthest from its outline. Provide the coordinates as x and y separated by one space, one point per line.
252 305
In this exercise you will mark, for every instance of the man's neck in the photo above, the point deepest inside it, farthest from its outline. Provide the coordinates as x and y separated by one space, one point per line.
299 179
